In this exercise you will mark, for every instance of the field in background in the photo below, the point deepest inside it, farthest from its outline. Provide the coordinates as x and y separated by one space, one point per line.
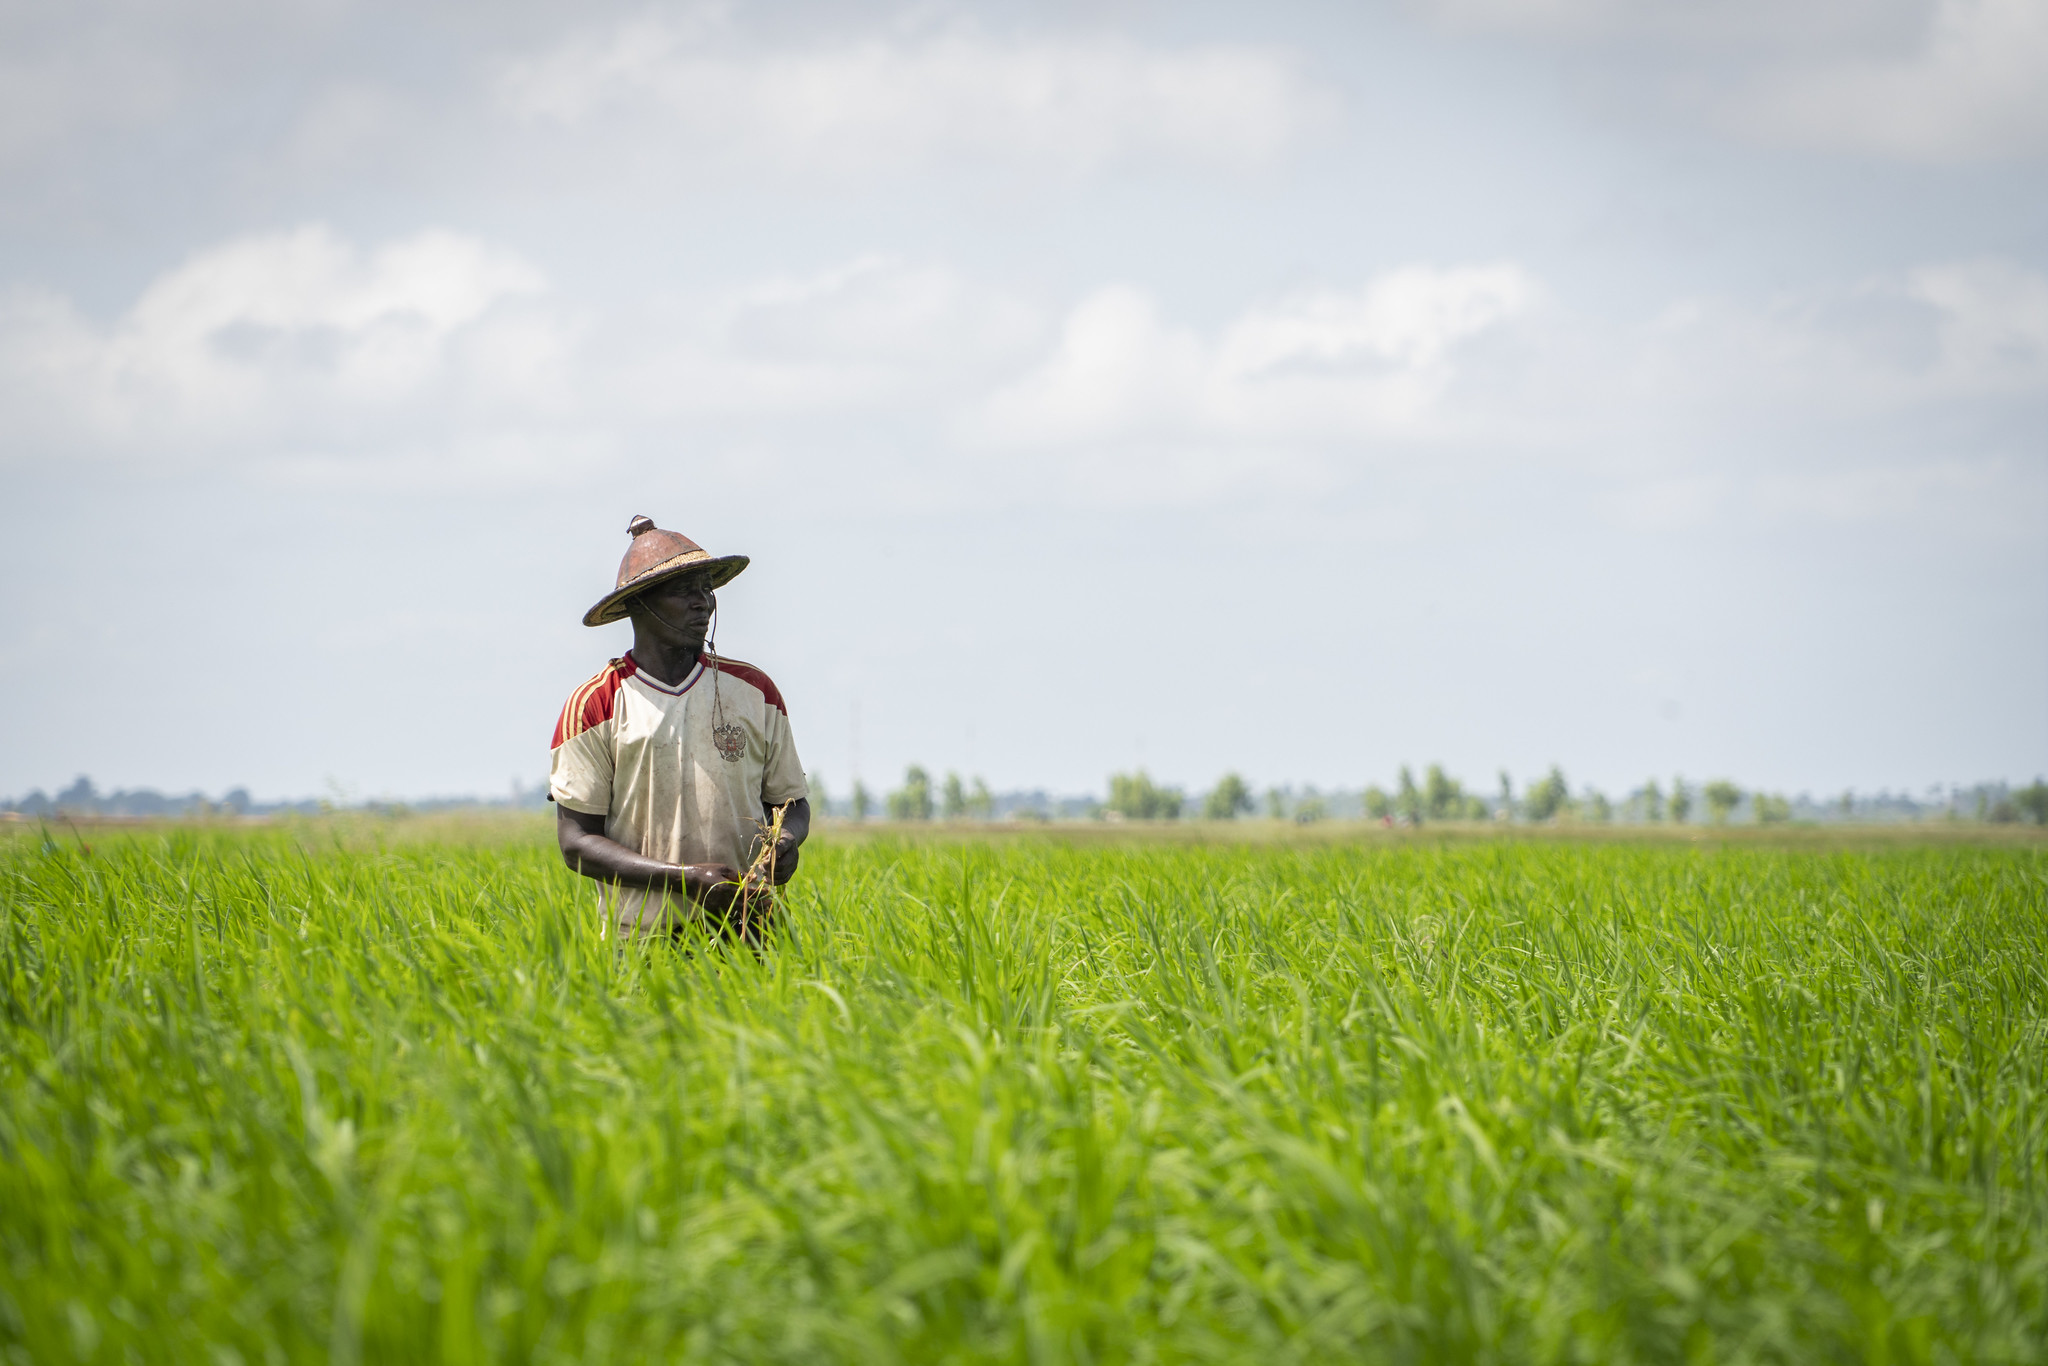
375 1091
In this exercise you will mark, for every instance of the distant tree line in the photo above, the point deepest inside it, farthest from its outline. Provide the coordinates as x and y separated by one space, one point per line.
1136 796
84 798
1435 797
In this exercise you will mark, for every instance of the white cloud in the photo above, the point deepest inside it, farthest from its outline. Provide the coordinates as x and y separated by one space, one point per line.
1710 25
1116 366
875 104
1991 324
1916 80
874 334
1983 491
1977 87
1944 331
60 77
1314 366
287 335
442 360
877 310
1915 399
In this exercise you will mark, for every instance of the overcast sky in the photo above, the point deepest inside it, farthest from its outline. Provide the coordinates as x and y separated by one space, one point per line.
1643 386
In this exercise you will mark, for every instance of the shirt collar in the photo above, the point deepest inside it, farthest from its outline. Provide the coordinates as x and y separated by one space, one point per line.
689 680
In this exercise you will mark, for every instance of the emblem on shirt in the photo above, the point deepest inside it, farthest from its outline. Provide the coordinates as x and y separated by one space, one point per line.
731 741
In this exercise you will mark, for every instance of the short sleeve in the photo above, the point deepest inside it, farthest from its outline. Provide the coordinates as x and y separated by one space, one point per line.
782 776
580 771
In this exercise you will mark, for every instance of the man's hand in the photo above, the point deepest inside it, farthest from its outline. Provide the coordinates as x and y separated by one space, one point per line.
786 855
796 828
714 886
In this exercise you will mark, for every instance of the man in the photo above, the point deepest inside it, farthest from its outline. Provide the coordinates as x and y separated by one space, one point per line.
667 764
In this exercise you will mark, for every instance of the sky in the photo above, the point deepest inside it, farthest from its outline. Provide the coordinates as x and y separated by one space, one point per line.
1297 389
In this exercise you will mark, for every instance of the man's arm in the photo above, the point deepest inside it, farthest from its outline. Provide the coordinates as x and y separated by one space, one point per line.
589 851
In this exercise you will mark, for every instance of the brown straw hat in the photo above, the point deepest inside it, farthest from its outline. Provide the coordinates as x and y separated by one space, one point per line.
655 557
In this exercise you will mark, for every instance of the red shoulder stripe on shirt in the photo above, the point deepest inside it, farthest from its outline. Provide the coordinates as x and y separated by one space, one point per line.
592 703
747 673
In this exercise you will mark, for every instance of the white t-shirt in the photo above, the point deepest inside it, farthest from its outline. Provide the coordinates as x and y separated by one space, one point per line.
681 774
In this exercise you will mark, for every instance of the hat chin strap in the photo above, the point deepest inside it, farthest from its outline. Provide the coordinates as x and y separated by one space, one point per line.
710 633
709 647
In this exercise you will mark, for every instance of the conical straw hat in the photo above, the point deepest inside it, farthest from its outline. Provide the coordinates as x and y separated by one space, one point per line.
655 557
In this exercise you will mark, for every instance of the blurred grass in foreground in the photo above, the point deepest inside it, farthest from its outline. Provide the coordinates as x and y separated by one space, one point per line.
362 1092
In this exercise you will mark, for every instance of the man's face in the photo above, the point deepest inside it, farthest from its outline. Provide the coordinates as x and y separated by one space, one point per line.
682 610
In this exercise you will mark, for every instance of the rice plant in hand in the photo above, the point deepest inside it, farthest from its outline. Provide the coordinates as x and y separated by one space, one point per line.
334 1094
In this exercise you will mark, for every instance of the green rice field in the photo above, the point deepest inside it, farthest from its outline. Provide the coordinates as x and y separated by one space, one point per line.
384 1093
